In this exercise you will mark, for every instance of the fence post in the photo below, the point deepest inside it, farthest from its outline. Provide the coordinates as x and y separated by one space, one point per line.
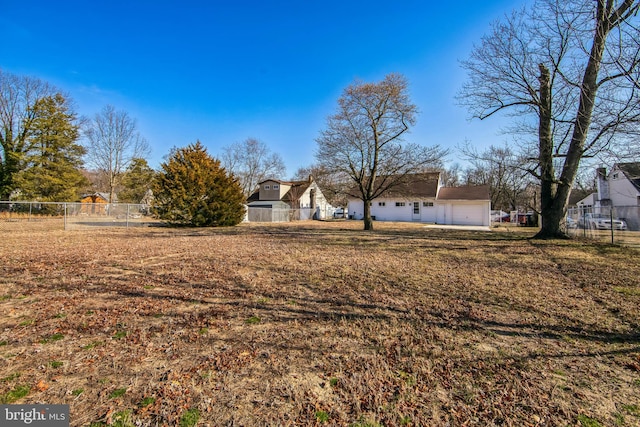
30 205
128 206
65 216
611 222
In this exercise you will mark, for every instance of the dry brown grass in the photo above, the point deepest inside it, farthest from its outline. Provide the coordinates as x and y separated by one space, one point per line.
320 323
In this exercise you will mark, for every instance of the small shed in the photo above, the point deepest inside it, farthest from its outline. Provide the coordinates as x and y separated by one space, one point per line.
94 204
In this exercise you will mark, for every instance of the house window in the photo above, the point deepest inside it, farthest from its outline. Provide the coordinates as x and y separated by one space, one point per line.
275 186
400 203
267 187
427 204
381 203
615 175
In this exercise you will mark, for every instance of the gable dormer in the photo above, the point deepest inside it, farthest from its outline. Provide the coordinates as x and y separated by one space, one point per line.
272 189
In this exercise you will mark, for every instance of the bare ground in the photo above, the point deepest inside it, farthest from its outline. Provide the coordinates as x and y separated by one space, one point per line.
319 323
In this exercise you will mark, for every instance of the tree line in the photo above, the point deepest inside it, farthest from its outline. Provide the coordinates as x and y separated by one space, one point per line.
42 157
48 153
567 72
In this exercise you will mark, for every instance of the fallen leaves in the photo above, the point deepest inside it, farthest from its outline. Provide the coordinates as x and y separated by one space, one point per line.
42 386
278 324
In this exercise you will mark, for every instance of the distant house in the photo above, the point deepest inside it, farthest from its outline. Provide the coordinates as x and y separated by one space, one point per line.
94 204
587 202
422 198
279 201
620 189
579 196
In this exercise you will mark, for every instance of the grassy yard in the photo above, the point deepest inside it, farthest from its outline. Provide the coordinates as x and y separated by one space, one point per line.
319 323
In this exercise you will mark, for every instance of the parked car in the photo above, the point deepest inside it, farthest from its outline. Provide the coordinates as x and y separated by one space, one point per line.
601 222
571 223
500 216
339 213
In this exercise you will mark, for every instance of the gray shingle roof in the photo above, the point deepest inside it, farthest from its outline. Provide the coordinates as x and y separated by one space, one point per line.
468 192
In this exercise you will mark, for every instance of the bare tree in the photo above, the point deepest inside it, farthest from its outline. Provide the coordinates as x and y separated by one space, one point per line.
451 176
18 97
569 71
113 141
251 162
334 185
364 139
504 171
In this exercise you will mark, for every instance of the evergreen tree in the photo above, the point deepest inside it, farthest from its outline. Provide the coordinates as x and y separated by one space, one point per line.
52 162
18 96
193 189
136 181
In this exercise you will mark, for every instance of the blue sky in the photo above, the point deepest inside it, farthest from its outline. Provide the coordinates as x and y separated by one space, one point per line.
221 72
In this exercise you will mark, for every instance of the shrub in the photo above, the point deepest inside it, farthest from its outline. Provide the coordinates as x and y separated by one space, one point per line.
193 189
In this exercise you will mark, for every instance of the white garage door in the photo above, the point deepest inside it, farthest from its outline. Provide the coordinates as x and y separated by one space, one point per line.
468 214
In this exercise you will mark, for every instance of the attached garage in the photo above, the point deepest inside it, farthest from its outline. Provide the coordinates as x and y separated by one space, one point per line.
464 206
468 214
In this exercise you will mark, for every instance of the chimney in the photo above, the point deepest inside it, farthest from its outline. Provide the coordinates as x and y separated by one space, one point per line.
603 184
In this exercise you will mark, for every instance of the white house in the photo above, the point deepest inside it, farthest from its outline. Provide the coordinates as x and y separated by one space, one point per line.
587 202
423 199
276 201
620 188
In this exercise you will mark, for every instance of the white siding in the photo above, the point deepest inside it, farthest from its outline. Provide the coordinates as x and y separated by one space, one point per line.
621 190
458 212
429 213
468 214
322 206
464 212
355 209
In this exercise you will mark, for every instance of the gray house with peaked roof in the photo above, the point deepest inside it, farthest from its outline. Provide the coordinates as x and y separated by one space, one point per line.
277 201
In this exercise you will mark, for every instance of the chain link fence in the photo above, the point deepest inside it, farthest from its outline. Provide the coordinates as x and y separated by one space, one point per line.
70 216
609 224
73 216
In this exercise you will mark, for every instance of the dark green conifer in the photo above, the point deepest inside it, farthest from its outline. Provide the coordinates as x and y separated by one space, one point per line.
51 164
136 181
193 189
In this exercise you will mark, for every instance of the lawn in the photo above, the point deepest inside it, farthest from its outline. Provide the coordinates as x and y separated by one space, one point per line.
319 323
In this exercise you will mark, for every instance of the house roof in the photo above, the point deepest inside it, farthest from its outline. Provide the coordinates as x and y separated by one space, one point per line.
279 181
468 192
420 185
578 195
294 193
425 185
417 185
254 197
589 199
632 172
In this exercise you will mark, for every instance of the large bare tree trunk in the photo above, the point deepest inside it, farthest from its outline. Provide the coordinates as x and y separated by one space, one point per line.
368 222
574 65
555 194
549 208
